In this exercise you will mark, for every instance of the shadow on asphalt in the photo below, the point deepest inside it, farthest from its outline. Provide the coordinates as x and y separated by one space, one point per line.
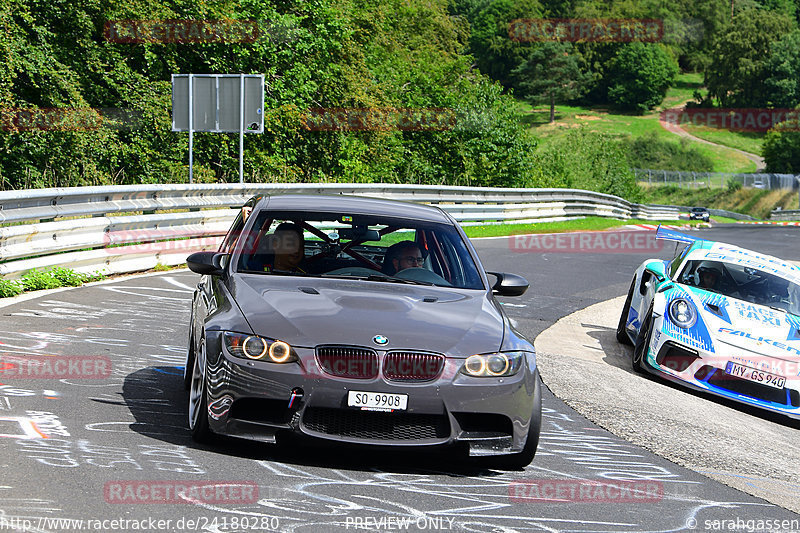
159 404
619 355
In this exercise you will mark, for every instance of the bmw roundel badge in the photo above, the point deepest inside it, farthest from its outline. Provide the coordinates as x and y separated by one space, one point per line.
380 339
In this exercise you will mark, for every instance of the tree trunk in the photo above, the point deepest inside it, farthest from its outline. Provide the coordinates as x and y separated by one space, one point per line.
552 108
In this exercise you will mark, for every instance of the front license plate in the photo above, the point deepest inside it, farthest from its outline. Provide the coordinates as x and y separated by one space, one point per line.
377 401
757 376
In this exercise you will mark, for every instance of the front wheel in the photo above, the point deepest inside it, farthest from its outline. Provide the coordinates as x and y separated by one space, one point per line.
622 335
189 366
198 405
643 342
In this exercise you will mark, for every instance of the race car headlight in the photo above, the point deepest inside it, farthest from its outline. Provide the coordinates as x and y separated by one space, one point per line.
493 365
683 313
258 348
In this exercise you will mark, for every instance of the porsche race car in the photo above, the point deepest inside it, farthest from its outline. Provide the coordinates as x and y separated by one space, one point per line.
718 318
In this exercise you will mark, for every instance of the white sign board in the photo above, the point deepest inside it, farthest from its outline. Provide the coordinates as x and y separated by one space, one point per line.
218 103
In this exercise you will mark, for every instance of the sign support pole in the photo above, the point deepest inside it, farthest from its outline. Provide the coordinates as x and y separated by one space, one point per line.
241 128
191 129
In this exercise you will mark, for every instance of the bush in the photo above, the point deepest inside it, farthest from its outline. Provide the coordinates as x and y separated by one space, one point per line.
781 149
94 276
734 186
582 159
652 151
68 277
9 288
36 280
640 75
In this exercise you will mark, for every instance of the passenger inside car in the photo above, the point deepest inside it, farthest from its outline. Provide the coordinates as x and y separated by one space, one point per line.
402 255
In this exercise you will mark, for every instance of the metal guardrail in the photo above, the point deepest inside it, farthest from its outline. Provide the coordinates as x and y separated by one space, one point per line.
72 226
714 212
785 214
696 180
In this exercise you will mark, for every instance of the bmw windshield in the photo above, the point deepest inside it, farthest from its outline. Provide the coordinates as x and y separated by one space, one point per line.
368 247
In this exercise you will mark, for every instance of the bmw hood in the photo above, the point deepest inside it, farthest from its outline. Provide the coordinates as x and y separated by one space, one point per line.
306 312
747 326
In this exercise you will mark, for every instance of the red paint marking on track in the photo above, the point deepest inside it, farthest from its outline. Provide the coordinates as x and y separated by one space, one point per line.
37 430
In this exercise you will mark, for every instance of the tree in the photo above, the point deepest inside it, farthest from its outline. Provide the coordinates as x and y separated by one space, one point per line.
781 148
736 73
640 75
495 53
552 72
782 72
355 54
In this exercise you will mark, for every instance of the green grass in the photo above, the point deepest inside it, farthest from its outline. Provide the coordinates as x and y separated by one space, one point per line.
36 280
683 89
749 141
582 224
603 120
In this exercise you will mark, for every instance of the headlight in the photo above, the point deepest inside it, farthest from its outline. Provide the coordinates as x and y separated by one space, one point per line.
682 312
493 365
258 348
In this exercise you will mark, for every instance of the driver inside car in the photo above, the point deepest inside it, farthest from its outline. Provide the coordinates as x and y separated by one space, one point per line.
708 276
402 255
286 249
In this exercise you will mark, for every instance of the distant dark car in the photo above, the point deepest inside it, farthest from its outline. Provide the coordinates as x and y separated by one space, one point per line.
362 321
699 213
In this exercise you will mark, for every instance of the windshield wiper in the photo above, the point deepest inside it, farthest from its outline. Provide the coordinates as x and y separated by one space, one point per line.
377 277
392 279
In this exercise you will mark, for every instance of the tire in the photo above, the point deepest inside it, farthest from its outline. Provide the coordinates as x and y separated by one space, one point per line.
622 334
188 367
518 461
643 342
198 405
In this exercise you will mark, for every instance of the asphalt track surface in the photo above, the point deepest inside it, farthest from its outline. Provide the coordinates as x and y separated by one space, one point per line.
105 434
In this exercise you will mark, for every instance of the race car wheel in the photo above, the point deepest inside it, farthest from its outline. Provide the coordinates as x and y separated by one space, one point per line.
189 366
198 406
643 341
622 335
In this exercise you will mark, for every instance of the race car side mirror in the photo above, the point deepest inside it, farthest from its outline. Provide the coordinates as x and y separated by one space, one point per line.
509 284
207 263
657 269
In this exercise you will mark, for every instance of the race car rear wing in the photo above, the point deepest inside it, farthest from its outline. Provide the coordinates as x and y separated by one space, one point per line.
665 234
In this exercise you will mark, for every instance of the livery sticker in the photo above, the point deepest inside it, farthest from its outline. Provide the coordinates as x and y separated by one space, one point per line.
759 338
758 313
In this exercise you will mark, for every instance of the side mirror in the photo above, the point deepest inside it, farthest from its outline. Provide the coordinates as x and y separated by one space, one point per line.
657 269
509 284
207 263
